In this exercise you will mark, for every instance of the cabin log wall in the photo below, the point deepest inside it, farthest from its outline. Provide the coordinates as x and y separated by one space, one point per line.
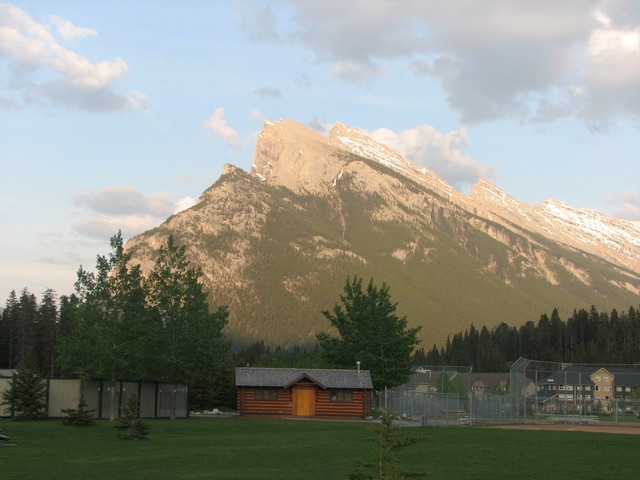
358 408
249 406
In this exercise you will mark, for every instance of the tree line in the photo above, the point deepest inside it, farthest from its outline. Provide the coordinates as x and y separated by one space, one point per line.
587 336
120 325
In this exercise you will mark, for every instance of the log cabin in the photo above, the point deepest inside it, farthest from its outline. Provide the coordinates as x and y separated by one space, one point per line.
307 393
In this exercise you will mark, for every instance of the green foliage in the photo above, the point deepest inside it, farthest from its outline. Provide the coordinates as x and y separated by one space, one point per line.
78 417
587 336
387 441
183 329
213 390
371 333
121 326
29 329
109 329
452 385
25 396
129 423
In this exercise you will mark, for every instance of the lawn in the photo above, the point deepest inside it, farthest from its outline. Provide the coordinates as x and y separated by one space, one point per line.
241 448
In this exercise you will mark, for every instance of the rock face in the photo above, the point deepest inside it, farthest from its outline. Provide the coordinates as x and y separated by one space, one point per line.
612 239
277 244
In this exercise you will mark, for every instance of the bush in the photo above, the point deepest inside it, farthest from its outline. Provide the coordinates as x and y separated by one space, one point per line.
78 417
132 427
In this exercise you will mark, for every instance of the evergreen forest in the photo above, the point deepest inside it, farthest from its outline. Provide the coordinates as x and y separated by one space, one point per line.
586 337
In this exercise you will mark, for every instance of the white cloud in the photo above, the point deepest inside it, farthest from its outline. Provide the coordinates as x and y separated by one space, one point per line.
257 116
42 69
218 125
630 201
442 153
124 208
122 200
356 72
104 226
268 92
498 59
184 203
70 32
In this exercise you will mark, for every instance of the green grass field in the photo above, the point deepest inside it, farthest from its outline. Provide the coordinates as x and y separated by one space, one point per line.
240 448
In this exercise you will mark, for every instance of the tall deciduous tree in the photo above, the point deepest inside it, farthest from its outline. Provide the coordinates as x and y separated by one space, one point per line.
371 333
106 337
188 338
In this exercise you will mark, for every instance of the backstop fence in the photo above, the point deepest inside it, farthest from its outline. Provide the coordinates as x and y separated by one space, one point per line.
538 392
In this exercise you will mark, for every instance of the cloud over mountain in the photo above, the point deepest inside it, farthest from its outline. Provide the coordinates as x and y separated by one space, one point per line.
218 125
123 208
534 61
443 153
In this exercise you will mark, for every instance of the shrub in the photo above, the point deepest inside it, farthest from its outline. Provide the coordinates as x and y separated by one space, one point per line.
130 424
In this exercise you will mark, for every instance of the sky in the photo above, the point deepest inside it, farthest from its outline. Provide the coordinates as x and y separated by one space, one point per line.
115 115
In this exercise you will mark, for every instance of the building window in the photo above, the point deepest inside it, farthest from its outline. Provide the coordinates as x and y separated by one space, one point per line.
598 378
269 394
607 388
569 388
618 389
605 378
341 396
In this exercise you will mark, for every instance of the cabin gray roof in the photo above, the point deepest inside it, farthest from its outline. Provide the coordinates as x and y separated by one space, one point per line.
285 377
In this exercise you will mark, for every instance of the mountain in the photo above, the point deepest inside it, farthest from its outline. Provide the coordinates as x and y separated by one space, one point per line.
276 244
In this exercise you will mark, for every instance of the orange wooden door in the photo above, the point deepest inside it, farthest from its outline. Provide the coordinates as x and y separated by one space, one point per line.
304 402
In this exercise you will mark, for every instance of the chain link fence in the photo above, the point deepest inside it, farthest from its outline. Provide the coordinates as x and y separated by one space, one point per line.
538 392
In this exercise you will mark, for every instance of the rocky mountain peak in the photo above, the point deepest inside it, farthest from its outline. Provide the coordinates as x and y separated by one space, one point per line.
353 206
295 156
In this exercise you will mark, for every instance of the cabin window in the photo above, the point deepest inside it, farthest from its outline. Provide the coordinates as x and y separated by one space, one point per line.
267 394
341 396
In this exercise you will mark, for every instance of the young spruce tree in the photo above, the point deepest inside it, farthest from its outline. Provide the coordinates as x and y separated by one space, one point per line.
26 394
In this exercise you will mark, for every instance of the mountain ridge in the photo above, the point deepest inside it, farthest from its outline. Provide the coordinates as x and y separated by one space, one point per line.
277 243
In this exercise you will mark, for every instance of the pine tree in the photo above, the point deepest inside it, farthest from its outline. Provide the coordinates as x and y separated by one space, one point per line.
387 441
45 333
80 416
130 424
26 394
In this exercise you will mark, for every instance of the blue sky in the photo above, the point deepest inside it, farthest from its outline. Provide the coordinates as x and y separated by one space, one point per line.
114 115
